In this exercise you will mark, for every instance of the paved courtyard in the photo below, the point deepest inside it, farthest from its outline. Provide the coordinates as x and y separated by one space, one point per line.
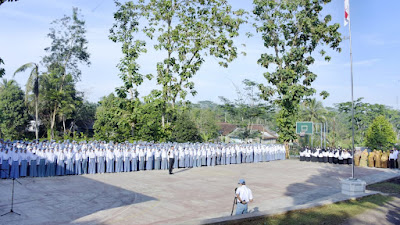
190 196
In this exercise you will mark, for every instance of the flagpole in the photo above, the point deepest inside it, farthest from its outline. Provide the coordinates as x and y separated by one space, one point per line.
352 98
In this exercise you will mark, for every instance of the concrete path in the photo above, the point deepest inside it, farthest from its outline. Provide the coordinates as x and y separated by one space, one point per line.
190 196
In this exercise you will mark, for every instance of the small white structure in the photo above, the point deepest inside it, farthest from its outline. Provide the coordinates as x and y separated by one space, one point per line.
353 186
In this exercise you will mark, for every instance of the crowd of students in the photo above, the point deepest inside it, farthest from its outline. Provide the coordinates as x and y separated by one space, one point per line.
335 156
42 159
375 158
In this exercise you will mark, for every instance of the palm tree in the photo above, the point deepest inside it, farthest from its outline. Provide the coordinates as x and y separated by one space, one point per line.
313 111
32 85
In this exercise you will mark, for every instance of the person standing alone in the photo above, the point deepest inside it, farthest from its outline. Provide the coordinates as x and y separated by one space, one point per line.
171 159
244 196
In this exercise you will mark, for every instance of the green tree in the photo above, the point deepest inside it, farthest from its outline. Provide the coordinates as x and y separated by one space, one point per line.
292 30
68 49
313 111
2 70
68 45
380 134
186 31
185 129
206 123
148 119
32 85
85 116
57 101
112 120
364 114
13 116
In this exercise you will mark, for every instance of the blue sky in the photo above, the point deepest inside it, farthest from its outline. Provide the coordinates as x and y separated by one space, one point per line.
375 34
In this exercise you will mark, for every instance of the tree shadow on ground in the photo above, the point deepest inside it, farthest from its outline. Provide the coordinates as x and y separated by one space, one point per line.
61 200
325 183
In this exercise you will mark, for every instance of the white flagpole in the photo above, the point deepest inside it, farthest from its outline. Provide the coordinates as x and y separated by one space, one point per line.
352 97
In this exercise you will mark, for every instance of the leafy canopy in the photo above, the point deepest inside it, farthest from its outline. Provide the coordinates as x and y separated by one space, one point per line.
186 31
292 31
380 134
13 112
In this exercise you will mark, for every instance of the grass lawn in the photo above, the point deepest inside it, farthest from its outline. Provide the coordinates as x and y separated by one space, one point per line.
329 214
391 186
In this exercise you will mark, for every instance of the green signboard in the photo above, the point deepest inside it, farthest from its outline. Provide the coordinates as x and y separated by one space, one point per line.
304 128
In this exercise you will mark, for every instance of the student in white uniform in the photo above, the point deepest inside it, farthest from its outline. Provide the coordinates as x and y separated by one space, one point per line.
33 163
164 159
85 160
14 163
51 164
69 168
141 159
134 159
110 160
223 156
24 164
78 163
127 160
92 162
157 159
60 170
101 160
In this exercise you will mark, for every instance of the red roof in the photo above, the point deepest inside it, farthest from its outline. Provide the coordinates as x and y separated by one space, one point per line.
226 128
266 134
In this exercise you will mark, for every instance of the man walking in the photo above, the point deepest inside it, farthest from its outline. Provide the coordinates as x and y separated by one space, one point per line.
171 159
244 196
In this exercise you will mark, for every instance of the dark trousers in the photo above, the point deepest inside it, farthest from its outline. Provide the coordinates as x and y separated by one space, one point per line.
391 164
171 164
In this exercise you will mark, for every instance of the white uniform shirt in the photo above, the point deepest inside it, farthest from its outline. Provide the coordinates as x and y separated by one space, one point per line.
171 154
163 154
244 193
157 154
92 156
78 156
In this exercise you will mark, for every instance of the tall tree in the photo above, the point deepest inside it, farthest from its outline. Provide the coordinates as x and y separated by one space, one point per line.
32 85
13 116
186 31
57 101
313 111
68 45
380 134
68 49
292 29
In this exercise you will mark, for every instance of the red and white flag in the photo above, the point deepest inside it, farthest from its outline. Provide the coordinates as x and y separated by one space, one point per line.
346 12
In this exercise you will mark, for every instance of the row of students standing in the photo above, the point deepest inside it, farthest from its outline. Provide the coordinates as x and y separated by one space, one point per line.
335 156
20 159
